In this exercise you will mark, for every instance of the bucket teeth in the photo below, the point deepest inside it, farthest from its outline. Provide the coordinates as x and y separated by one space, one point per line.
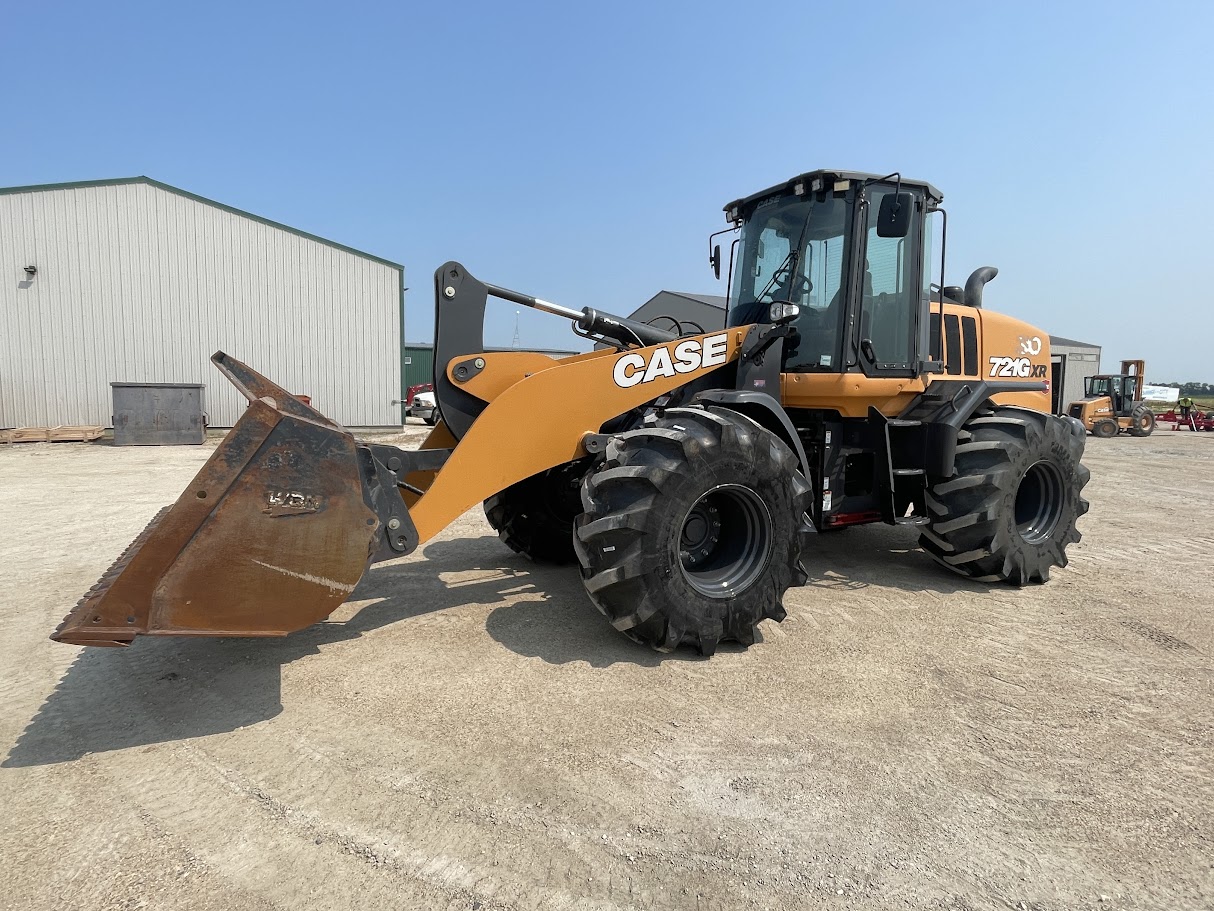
74 622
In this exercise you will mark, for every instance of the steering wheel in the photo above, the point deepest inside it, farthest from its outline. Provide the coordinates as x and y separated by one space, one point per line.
797 285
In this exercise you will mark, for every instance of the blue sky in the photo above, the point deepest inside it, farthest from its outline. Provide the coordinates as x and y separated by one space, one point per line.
582 152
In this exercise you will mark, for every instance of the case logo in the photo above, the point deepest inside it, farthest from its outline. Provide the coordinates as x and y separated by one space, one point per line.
687 356
1030 346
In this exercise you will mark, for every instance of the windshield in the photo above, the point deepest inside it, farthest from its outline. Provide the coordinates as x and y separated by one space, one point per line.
792 249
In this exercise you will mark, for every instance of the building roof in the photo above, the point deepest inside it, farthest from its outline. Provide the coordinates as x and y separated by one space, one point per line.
1070 342
712 300
123 181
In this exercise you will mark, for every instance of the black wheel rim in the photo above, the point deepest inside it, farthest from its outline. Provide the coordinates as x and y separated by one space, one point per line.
725 541
1039 502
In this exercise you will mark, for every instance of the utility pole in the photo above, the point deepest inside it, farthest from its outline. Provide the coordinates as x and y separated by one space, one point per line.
517 341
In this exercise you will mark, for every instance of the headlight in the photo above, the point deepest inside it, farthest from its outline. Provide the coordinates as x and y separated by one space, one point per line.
783 313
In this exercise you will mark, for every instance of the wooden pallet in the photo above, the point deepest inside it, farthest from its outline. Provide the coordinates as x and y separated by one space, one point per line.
64 433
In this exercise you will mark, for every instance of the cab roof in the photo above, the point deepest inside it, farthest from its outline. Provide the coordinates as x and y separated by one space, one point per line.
826 175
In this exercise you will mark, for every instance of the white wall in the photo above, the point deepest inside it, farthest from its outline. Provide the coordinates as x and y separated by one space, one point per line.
137 283
1080 363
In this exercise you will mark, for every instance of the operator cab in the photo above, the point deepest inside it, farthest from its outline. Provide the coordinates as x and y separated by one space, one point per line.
1122 391
851 251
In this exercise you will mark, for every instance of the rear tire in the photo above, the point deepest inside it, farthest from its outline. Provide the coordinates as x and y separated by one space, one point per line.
1142 420
1105 428
535 516
692 529
1008 513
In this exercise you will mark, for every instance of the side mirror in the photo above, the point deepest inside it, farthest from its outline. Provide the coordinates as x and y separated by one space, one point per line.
715 260
894 215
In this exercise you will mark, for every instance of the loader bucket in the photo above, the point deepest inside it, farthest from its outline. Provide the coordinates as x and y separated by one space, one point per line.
270 537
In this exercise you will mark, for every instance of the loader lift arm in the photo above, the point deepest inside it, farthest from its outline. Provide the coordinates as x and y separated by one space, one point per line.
459 336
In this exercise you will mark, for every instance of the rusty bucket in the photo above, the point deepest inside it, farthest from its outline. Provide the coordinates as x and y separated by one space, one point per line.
271 536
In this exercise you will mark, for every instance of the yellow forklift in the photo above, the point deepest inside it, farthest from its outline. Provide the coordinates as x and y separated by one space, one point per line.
1113 403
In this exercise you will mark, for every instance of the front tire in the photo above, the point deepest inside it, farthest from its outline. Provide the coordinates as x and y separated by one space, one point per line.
1105 428
1142 420
1009 511
692 529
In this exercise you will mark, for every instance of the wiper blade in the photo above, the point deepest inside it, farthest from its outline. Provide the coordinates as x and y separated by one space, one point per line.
779 270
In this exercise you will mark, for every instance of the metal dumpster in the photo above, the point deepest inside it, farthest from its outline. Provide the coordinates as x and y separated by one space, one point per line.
158 414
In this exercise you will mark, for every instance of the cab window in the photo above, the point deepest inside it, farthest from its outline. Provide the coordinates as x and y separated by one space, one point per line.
794 250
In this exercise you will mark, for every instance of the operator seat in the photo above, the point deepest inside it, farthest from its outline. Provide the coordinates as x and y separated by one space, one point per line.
819 332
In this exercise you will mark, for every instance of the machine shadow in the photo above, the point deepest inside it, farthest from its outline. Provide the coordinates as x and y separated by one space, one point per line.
554 620
167 689
157 690
164 689
884 555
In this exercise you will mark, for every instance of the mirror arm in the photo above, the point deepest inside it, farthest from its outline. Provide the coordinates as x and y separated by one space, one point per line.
733 249
715 261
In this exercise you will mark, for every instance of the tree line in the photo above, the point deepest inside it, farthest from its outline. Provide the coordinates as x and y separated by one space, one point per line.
1202 389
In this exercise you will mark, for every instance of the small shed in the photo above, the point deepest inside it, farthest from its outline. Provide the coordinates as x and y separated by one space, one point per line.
1071 362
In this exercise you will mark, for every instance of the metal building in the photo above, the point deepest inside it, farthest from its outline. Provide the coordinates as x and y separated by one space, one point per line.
694 310
132 281
1072 361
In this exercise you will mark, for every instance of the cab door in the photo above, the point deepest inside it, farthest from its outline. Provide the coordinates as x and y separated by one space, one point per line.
890 296
1115 394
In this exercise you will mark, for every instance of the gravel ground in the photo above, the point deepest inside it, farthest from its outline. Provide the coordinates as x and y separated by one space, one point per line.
469 733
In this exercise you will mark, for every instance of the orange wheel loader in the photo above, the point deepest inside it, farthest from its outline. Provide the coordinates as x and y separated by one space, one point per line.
687 475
